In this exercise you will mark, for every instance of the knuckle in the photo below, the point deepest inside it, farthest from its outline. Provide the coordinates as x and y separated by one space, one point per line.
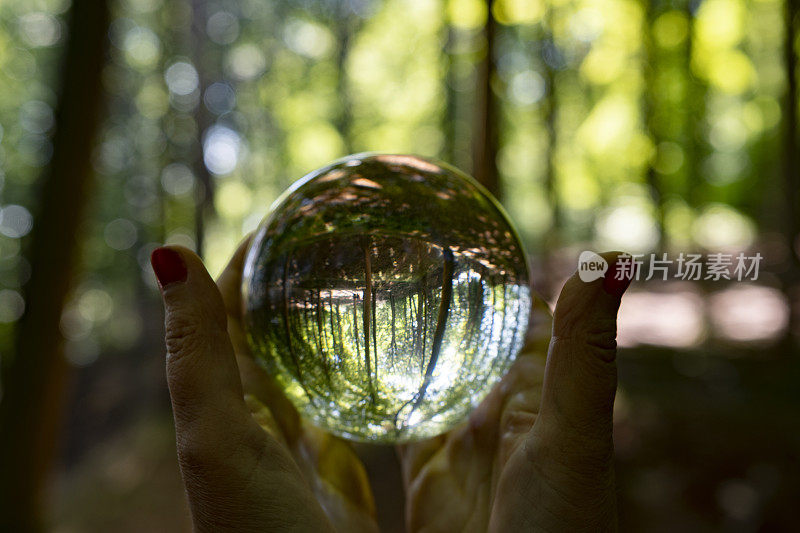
600 338
516 422
184 333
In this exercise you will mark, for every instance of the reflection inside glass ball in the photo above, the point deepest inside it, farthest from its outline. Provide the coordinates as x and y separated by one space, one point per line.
386 295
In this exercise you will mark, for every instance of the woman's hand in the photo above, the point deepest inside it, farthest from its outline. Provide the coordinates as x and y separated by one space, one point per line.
248 462
537 454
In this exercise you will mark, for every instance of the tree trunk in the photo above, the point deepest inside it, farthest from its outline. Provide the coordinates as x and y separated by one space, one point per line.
204 195
791 179
695 99
551 127
790 156
450 106
484 158
649 105
33 381
344 25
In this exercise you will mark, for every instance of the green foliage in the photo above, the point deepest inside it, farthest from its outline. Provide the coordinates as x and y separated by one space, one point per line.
623 123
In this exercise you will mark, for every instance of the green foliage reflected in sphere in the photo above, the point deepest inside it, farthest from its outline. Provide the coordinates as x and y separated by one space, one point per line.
386 295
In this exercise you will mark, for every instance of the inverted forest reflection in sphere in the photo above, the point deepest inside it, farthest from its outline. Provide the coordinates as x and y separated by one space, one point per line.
386 294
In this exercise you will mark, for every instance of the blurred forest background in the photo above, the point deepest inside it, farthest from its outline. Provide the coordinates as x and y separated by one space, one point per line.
642 125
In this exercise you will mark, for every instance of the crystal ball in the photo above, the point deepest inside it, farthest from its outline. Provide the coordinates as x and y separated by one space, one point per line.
386 295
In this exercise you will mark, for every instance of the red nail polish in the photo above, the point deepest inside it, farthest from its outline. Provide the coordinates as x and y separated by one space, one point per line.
168 266
614 286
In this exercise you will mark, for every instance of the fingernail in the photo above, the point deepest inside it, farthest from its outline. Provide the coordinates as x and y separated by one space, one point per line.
168 266
614 286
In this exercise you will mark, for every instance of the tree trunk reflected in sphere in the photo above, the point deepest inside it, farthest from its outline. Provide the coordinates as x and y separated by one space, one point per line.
386 294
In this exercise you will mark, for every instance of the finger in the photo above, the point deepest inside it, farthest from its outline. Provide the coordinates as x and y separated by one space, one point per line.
414 456
202 374
264 418
255 381
540 327
581 375
506 413
230 281
260 385
230 287
339 470
230 465
563 474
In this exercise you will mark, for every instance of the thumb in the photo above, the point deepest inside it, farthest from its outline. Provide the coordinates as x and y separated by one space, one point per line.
581 375
202 374
563 474
237 478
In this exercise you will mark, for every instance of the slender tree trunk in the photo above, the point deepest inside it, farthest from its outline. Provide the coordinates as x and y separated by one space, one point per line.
695 99
649 105
204 194
485 147
451 105
687 140
343 26
550 121
552 241
33 381
791 178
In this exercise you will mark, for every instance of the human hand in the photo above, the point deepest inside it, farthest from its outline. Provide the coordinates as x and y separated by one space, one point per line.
249 463
502 470
537 453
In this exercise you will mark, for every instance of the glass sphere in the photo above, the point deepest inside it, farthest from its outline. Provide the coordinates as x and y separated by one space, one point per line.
386 294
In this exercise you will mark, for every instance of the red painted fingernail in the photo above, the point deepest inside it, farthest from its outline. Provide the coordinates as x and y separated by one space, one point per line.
617 280
168 266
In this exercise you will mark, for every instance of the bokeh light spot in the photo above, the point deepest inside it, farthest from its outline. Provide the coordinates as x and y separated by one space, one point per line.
142 47
177 179
182 78
308 39
120 234
669 158
670 29
527 87
222 27
628 227
12 305
221 149
246 62
95 305
39 29
749 313
15 221
219 98
466 13
673 317
36 116
719 228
